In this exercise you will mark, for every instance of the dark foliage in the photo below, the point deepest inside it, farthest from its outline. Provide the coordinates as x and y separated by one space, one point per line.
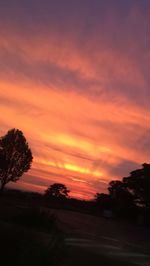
138 183
129 198
15 157
120 192
57 190
123 199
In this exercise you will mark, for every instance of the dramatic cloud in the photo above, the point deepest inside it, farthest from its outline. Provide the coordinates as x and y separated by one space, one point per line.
74 77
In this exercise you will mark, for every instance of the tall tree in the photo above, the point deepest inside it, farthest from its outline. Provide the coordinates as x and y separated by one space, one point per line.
57 190
15 157
138 182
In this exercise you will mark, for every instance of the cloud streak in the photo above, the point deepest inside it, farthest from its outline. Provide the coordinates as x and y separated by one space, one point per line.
74 77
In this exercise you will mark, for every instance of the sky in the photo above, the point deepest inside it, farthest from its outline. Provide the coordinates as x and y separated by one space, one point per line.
74 77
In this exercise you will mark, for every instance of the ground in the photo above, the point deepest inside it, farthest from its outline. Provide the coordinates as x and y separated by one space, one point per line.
97 241
90 240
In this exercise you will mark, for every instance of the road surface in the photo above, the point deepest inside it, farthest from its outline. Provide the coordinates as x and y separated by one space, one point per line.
93 240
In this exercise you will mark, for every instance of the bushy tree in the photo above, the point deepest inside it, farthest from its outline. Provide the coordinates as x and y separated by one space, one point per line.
138 182
123 199
129 196
57 190
15 157
118 190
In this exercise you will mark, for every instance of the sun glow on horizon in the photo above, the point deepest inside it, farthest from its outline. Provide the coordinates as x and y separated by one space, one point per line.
72 168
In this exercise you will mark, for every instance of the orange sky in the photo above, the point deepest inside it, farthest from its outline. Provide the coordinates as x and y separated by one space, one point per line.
76 82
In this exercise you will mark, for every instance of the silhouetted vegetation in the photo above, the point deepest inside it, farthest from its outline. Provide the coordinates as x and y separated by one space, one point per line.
57 190
15 157
138 184
126 198
30 232
129 198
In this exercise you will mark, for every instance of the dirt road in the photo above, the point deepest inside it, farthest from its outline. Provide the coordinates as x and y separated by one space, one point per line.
92 240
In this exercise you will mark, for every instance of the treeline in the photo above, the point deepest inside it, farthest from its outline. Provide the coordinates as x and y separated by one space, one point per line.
128 198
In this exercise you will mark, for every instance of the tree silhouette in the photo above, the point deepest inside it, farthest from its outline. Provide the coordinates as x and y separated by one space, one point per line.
139 184
129 197
15 157
57 190
104 201
123 199
118 190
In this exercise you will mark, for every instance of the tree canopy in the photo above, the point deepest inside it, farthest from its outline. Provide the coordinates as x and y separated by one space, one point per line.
57 190
119 191
128 195
15 157
138 183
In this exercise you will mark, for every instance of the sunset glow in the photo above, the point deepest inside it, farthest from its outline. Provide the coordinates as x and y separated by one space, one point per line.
74 77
